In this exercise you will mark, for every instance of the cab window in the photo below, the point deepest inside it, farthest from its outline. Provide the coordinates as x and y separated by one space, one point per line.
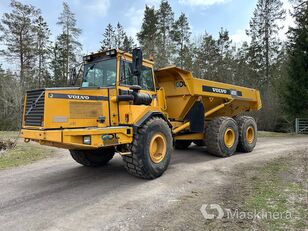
127 78
100 74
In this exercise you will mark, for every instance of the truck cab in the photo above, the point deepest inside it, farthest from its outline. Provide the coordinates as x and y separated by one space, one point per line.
115 93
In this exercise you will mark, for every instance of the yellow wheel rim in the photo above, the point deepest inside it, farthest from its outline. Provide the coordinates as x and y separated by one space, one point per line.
158 148
250 134
229 137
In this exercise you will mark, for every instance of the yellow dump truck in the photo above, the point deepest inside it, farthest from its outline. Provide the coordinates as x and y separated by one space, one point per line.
124 106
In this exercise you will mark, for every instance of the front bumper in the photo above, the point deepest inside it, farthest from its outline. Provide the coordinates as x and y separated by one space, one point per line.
73 138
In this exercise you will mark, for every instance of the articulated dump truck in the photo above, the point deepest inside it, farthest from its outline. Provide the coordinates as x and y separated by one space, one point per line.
124 106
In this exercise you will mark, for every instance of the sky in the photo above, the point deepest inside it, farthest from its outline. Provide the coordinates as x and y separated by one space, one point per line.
203 15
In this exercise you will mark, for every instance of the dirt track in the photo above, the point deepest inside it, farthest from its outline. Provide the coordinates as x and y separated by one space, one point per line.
59 194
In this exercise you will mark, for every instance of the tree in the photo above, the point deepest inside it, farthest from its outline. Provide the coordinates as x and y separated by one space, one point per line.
148 35
226 60
128 44
263 32
109 38
67 41
165 17
18 35
181 36
119 36
295 93
116 38
207 57
42 34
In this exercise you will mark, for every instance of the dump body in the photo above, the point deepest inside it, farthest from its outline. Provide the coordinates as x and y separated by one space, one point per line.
182 90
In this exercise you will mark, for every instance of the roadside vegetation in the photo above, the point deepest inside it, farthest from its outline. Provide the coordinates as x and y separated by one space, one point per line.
276 192
281 186
14 152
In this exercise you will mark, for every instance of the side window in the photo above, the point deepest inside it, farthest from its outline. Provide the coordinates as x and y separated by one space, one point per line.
127 78
146 80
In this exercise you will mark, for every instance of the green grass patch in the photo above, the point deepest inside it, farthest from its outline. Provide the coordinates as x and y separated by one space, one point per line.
9 134
24 153
274 134
279 188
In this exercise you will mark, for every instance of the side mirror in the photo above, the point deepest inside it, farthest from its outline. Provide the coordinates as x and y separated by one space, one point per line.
137 63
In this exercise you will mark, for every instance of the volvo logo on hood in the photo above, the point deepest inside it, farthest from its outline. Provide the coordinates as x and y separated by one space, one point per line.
76 97
86 97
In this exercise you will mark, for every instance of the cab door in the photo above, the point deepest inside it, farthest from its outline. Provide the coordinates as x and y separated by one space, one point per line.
128 112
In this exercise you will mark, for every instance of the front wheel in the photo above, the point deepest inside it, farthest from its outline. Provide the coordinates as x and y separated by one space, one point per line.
93 158
151 150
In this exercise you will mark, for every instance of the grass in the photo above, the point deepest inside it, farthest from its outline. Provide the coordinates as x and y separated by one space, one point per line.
23 153
279 187
274 134
9 134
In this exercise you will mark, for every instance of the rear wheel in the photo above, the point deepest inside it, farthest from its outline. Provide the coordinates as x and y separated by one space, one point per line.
93 158
247 127
182 144
222 136
151 150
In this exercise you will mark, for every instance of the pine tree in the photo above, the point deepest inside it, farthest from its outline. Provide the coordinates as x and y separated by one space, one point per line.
128 44
119 36
165 18
108 41
263 32
148 35
181 36
42 34
207 58
116 38
295 94
17 33
226 60
68 40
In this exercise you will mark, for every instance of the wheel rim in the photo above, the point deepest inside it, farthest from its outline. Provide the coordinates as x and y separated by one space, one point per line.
229 137
158 148
250 134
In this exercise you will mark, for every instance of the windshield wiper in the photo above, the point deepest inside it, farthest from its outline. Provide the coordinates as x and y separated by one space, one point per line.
90 68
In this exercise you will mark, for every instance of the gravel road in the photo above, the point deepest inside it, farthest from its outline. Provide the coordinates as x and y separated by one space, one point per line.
59 194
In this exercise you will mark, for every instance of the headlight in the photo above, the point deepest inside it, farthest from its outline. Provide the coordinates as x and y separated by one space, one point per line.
87 140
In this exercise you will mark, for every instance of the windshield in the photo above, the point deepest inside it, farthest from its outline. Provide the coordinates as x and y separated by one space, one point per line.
100 74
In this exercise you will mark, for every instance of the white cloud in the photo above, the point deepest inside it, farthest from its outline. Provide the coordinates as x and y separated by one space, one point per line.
239 36
135 17
98 7
197 3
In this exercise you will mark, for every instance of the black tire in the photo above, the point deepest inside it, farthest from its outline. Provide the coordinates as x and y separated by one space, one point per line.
215 136
182 144
245 123
139 163
199 143
93 158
